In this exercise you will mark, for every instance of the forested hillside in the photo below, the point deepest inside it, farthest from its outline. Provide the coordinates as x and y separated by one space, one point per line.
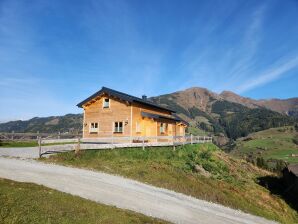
67 123
211 113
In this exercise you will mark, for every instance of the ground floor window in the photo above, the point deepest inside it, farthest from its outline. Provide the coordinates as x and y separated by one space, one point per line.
118 127
162 127
94 127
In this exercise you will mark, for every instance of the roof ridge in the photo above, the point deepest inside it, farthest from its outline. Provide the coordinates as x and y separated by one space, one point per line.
125 96
121 92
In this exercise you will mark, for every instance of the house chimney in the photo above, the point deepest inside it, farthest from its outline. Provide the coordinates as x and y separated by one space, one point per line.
144 97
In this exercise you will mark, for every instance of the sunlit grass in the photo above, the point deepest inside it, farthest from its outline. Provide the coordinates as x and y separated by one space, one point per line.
31 203
232 182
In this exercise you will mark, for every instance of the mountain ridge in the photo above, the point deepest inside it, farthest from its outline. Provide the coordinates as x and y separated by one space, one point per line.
226 114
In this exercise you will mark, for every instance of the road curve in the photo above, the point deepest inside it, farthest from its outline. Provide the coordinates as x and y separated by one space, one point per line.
124 193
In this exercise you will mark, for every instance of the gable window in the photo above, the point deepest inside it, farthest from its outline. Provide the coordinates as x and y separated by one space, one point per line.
138 127
93 128
106 103
162 127
118 127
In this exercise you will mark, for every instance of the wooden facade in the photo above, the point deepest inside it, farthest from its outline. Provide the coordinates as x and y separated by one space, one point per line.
110 113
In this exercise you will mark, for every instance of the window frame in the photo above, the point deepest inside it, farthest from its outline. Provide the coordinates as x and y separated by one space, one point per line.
95 128
116 129
104 101
162 128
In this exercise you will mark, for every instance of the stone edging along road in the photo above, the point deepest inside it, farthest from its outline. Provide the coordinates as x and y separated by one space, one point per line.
124 193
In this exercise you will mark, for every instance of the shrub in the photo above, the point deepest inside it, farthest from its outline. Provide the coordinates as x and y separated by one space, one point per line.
295 140
261 163
208 161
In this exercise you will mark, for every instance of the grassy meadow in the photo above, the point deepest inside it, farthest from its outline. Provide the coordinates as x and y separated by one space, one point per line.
31 203
203 171
275 143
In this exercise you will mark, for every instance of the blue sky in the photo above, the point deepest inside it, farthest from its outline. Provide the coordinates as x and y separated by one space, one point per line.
54 54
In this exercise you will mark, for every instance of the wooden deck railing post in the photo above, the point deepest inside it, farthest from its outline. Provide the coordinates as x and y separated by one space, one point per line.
112 141
174 147
143 142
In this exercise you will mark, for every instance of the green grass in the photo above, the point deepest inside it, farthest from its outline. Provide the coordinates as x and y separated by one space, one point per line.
15 144
274 143
12 144
30 203
232 182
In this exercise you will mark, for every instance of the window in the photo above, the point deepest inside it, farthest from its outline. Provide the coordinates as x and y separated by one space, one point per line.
106 103
118 127
162 127
138 127
93 128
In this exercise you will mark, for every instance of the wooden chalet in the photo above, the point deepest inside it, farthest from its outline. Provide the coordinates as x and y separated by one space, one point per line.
112 113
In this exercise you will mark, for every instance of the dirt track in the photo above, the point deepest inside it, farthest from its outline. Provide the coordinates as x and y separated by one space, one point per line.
123 193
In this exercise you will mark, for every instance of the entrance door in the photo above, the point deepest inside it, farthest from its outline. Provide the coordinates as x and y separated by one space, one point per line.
148 131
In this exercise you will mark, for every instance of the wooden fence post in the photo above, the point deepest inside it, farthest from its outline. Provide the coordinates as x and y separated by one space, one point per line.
12 135
39 146
191 142
78 148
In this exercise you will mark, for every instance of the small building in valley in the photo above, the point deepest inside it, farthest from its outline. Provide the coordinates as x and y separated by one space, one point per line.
112 113
290 177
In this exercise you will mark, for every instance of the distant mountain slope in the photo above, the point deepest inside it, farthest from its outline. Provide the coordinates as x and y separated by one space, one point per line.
67 123
286 106
224 114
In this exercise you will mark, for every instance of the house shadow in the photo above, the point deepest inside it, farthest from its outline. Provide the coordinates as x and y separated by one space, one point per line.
277 187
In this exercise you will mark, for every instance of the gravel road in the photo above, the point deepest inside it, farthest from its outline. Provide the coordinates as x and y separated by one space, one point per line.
33 152
123 193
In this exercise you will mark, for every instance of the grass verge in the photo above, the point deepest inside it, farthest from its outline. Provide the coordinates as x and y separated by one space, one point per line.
31 203
202 171
15 144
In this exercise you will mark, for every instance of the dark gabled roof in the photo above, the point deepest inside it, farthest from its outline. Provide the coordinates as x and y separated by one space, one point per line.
173 117
180 119
293 169
122 96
